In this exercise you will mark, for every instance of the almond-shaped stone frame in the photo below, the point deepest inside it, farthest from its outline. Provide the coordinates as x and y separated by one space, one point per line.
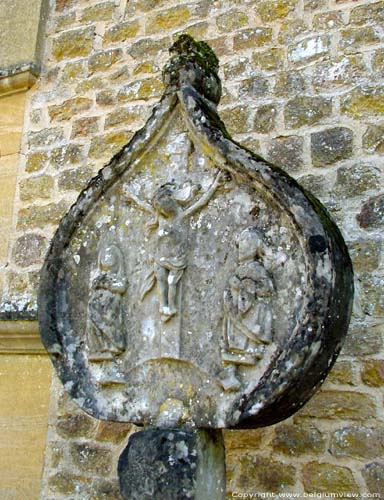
298 369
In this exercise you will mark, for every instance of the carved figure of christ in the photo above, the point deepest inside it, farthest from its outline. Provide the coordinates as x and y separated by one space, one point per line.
171 241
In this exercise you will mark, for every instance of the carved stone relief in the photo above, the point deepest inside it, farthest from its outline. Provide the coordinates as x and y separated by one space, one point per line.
220 291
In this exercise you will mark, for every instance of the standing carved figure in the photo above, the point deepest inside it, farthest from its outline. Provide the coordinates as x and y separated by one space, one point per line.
169 257
106 331
247 308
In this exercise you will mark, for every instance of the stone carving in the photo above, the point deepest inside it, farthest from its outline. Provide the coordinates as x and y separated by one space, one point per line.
238 334
247 304
169 207
106 334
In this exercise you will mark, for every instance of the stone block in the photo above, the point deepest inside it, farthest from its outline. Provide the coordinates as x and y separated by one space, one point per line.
46 137
123 116
99 12
275 10
353 180
108 144
85 127
146 67
41 215
168 19
33 188
344 71
113 432
64 21
372 375
106 98
63 5
372 294
290 29
373 138
254 87
309 49
304 111
328 20
231 20
142 89
146 47
378 63
298 439
71 426
73 71
352 40
371 215
249 439
91 458
331 145
290 82
365 254
341 373
29 249
250 38
74 179
315 184
312 5
69 108
369 13
363 102
236 119
103 60
17 282
36 162
270 60
325 477
64 156
362 341
286 152
358 442
197 30
264 120
73 44
373 475
67 483
121 32
340 405
264 473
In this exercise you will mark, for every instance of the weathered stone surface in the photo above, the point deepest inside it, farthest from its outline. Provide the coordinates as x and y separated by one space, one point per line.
237 119
41 215
373 139
363 102
339 405
290 29
236 69
277 9
106 98
142 89
342 373
328 20
290 82
102 61
17 281
106 490
197 30
351 40
74 71
373 373
69 108
36 187
74 178
323 477
123 116
378 63
312 5
287 152
365 254
309 50
90 84
358 441
146 67
298 439
29 249
147 47
244 439
318 185
346 70
231 20
331 145
99 12
303 111
121 32
270 60
113 432
256 37
45 137
78 425
373 475
91 458
73 43
66 155
36 162
168 19
265 474
265 117
108 144
254 87
84 127
353 180
373 12
66 483
371 215
372 294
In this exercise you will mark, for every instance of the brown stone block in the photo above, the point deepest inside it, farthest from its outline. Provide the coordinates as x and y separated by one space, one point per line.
74 179
290 82
91 458
114 432
67 483
85 127
298 439
169 19
364 101
373 374
340 404
243 439
370 13
250 38
142 89
237 119
365 255
123 116
231 20
358 442
103 60
121 32
287 152
270 60
74 43
328 20
99 12
69 108
41 215
351 40
272 11
36 162
265 474
371 215
79 425
36 187
325 477
341 373
265 117
373 475
344 71
306 110
108 144
69 154
146 47
29 249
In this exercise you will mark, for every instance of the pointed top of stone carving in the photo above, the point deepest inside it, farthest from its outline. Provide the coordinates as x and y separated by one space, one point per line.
193 63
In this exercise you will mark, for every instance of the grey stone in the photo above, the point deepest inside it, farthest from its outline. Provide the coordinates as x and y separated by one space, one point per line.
331 145
371 215
287 152
29 249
